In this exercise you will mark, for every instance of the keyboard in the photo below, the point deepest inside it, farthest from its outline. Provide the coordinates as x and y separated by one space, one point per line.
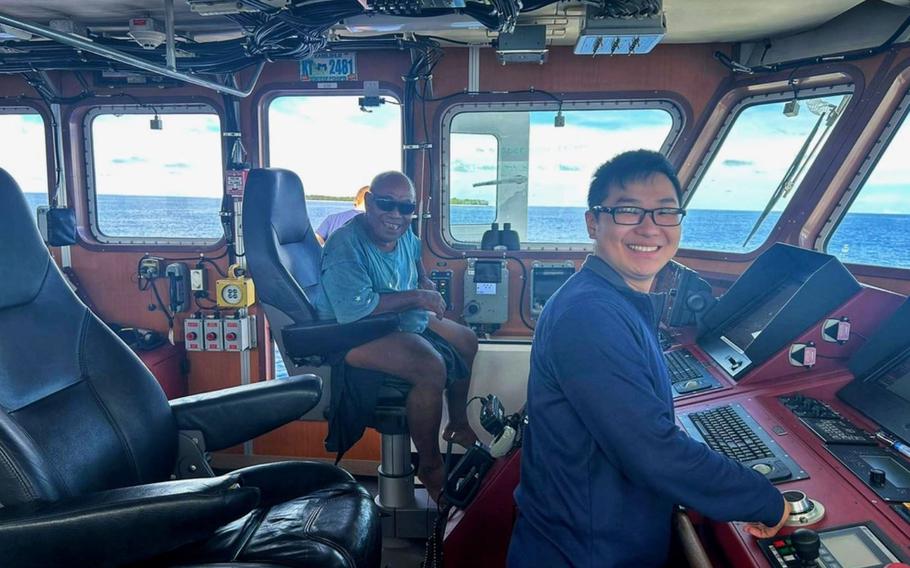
725 432
731 431
687 374
827 424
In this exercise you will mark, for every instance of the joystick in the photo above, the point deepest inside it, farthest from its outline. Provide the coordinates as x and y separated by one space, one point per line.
806 546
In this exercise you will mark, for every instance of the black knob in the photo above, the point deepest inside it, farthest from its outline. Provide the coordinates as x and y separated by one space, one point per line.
806 544
877 477
473 309
696 303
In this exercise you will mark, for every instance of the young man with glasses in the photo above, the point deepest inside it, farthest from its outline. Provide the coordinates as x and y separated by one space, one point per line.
372 266
603 462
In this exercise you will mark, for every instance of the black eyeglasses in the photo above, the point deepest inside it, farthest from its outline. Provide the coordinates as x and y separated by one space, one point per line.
388 204
663 216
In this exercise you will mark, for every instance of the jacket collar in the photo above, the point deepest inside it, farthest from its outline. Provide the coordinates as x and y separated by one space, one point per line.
642 300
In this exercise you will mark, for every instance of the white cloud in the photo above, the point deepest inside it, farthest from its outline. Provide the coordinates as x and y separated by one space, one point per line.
331 144
23 151
132 159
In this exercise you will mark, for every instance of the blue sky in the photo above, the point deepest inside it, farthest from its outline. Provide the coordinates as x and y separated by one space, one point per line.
759 148
560 160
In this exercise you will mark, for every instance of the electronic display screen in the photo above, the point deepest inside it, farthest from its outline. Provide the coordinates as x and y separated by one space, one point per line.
545 282
897 380
850 550
750 325
488 271
855 547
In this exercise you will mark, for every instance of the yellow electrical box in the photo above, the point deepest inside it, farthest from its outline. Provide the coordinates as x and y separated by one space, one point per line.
236 291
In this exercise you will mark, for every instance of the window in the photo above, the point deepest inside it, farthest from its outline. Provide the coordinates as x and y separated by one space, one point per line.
155 185
474 179
755 166
506 163
875 228
335 147
23 152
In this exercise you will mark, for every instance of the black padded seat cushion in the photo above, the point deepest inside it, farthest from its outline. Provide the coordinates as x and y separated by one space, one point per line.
324 528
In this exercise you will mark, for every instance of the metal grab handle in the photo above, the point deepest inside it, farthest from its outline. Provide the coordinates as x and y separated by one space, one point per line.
88 45
692 547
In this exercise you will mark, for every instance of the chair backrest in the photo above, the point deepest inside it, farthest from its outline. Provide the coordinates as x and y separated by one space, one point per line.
284 259
281 249
79 412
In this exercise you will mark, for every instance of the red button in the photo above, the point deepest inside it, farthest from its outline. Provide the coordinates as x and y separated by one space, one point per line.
231 336
779 544
211 336
191 336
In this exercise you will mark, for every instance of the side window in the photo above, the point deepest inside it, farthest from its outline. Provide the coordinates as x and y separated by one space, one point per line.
23 152
155 184
875 227
513 165
754 168
368 143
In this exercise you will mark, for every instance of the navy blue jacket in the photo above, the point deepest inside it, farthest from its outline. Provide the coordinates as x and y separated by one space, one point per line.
603 461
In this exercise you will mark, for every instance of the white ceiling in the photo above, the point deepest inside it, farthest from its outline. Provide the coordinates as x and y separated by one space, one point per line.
688 21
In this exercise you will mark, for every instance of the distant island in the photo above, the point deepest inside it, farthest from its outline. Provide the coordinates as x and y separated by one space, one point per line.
330 198
453 201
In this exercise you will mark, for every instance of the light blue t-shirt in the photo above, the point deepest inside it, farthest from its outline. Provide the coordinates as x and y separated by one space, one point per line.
355 272
335 221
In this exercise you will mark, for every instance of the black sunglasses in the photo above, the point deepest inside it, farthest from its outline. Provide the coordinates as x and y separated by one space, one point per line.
388 204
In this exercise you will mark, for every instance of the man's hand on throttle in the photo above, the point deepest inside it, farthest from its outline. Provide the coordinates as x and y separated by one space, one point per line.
759 530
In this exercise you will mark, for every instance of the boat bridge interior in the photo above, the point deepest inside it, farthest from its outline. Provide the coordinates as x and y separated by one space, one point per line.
174 158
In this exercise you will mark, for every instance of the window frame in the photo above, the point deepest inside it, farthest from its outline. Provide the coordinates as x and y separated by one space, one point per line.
49 159
707 159
263 103
89 161
898 118
677 114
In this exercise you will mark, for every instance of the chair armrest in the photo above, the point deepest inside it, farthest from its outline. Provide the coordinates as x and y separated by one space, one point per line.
282 481
121 526
228 417
326 338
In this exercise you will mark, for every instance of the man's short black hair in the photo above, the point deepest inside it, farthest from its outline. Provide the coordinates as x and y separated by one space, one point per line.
635 165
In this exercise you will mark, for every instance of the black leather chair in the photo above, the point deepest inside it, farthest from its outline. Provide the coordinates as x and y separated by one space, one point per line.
284 258
89 447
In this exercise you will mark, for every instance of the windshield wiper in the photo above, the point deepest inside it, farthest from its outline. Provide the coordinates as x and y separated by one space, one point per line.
796 166
514 179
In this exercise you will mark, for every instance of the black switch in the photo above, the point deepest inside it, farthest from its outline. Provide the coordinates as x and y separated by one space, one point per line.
877 477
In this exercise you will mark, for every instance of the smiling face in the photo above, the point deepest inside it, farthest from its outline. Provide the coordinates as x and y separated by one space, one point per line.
386 227
636 252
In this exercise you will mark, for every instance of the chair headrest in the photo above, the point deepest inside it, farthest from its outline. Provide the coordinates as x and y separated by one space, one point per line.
280 199
23 256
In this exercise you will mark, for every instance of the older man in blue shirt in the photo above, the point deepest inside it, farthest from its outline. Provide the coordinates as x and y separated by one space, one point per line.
372 265
603 462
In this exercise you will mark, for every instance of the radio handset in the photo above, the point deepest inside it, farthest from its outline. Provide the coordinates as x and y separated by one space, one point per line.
178 278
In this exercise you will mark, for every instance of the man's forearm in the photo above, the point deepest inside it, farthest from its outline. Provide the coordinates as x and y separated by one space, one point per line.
395 302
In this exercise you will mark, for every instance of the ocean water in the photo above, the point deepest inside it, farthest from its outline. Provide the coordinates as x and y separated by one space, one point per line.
862 238
876 239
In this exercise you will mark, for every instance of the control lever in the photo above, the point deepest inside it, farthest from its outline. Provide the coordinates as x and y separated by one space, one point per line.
806 545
